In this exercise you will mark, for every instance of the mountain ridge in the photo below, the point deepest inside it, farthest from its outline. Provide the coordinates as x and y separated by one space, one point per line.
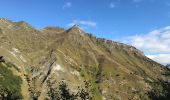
117 71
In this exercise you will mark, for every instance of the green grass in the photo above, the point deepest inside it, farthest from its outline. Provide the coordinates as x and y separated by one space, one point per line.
89 73
9 83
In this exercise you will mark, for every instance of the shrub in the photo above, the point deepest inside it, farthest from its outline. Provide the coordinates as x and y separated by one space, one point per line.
62 92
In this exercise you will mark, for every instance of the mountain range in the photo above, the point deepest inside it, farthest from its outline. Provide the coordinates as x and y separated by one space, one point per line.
30 58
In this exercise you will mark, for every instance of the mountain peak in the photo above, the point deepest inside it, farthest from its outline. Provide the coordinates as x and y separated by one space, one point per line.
76 29
23 24
76 26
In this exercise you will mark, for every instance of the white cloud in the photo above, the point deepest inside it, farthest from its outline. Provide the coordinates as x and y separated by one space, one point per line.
156 41
67 5
161 58
84 23
137 1
112 5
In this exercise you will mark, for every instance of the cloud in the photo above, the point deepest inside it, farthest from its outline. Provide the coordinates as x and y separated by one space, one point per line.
67 5
83 23
112 5
137 1
156 41
161 58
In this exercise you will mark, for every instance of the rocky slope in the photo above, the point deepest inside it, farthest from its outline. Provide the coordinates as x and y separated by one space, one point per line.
116 71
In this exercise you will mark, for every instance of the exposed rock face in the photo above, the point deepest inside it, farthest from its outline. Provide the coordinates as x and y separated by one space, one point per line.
116 70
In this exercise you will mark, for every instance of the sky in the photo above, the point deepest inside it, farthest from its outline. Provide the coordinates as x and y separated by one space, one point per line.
144 24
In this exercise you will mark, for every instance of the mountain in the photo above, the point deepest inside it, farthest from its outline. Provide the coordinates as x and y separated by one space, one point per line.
168 65
115 71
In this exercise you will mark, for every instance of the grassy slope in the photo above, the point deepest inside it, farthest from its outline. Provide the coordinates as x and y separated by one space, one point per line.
9 82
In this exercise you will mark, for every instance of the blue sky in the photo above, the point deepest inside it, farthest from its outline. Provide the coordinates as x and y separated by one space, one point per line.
128 21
